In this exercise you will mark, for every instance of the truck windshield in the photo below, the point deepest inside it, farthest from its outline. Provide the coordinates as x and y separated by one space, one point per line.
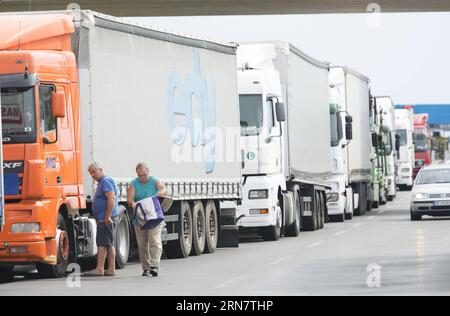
403 137
18 115
421 143
251 110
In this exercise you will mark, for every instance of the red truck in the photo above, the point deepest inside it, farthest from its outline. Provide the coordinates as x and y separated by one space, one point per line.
422 142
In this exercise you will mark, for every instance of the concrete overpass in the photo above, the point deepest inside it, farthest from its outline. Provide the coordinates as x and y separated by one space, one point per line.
226 7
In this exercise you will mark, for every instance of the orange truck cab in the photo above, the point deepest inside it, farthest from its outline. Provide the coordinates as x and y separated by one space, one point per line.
41 150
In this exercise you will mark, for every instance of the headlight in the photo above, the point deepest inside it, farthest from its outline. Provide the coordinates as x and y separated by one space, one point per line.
421 196
258 194
332 197
25 228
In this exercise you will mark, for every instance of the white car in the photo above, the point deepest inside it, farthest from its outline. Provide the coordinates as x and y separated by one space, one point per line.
431 193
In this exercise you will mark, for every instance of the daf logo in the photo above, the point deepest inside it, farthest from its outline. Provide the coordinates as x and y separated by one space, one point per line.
12 165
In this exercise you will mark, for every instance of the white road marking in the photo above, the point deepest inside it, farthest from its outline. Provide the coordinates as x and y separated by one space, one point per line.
280 260
316 244
227 283
340 233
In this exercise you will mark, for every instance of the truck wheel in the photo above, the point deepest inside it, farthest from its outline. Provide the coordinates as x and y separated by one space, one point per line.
62 254
322 211
271 233
123 238
212 227
384 198
198 229
349 216
317 214
361 210
390 198
6 274
375 204
293 230
368 202
362 200
181 248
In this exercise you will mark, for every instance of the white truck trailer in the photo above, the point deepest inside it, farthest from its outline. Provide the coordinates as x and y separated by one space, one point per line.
351 193
124 93
285 137
404 123
386 115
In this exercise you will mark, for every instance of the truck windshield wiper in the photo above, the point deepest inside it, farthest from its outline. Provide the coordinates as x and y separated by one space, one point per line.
8 138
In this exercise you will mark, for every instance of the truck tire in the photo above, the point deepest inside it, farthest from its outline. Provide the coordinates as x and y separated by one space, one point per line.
6 274
198 229
390 198
369 202
123 239
375 204
384 201
293 230
271 233
362 200
322 211
365 199
212 227
62 254
348 216
181 248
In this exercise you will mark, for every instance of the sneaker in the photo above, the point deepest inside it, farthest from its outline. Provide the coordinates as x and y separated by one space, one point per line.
154 272
146 273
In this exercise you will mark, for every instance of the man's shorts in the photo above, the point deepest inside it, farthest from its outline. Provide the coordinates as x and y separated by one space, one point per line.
106 234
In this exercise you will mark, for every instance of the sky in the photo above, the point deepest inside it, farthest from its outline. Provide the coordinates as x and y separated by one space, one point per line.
406 55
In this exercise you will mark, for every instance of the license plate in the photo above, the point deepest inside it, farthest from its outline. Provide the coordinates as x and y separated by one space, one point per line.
442 203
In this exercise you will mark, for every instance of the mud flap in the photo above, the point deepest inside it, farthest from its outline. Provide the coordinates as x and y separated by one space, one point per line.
229 231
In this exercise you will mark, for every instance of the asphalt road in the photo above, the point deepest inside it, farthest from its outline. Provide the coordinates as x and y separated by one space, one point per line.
381 253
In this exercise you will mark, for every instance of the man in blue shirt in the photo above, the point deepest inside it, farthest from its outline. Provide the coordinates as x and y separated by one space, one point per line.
105 208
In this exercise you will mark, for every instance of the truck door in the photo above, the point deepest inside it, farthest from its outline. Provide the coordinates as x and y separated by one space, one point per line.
2 195
274 140
58 152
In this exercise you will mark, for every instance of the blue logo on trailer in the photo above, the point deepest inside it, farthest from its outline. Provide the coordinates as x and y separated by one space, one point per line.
181 96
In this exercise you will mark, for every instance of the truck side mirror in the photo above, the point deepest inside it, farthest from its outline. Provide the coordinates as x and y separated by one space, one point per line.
58 104
349 127
375 140
281 113
397 142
